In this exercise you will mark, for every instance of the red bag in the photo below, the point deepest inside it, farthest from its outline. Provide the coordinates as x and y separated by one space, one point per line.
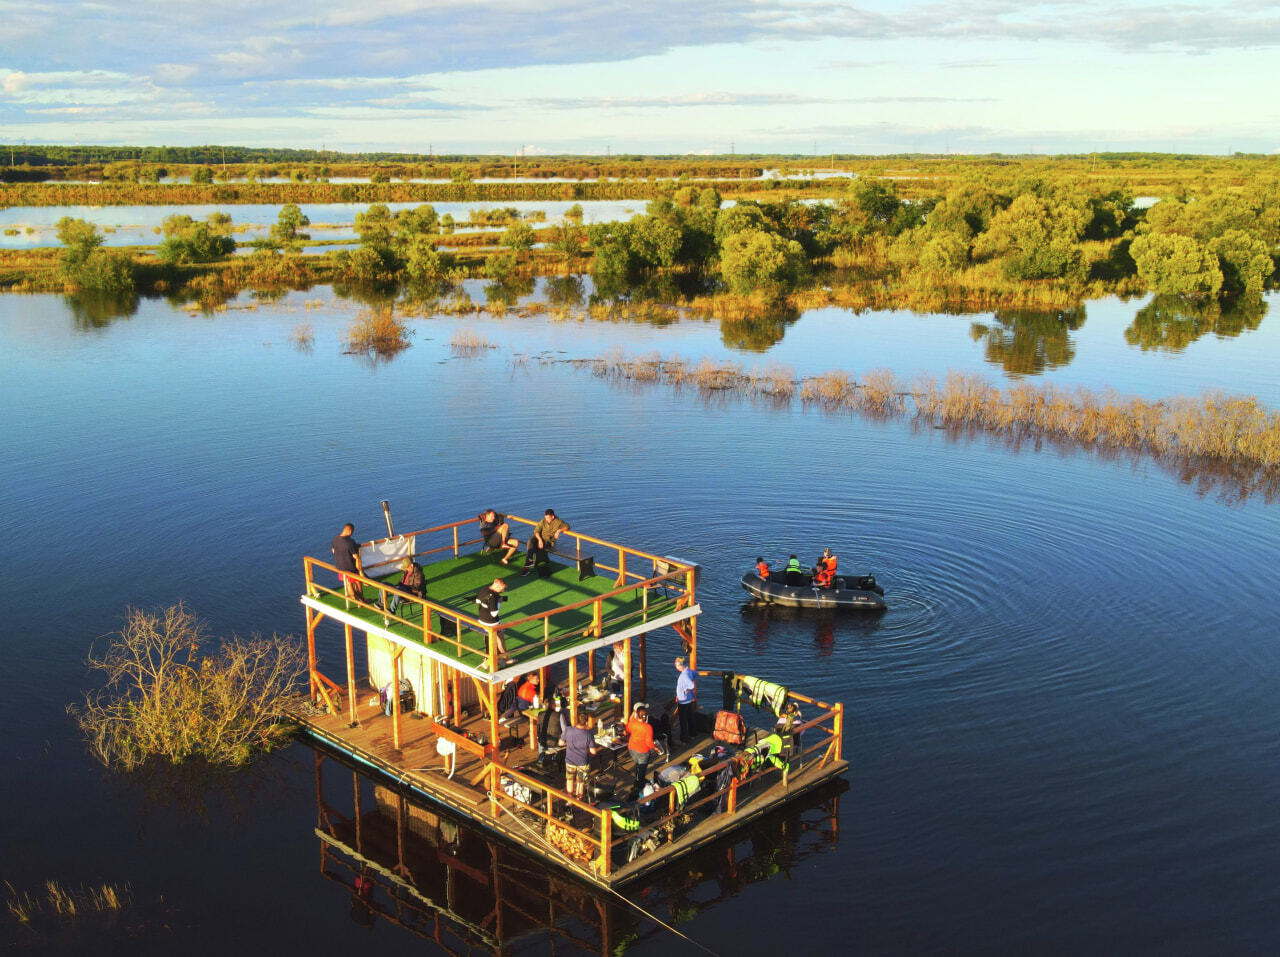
730 728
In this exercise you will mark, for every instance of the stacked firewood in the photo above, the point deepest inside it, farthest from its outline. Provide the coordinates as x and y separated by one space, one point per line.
569 842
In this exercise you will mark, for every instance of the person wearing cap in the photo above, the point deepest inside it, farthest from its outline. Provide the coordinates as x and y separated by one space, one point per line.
640 741
543 539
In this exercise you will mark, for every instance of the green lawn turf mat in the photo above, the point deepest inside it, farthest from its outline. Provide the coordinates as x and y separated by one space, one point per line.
454 582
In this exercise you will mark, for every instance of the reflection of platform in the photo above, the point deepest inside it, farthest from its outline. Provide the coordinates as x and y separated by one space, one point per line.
451 882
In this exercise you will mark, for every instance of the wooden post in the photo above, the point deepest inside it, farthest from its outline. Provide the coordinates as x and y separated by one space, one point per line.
693 642
597 618
606 838
622 568
573 691
493 789
546 635
355 787
395 697
644 680
493 717
455 541
312 621
837 729
626 680
351 676
493 648
733 796
457 699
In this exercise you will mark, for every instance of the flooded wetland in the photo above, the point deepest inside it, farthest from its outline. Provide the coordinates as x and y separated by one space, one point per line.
1061 734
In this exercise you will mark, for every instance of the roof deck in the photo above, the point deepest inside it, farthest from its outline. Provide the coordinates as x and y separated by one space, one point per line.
591 593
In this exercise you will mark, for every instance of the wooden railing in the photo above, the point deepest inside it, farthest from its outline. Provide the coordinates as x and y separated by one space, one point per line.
676 578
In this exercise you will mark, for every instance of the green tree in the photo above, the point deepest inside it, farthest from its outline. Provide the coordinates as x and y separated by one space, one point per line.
202 175
1175 265
1035 239
288 222
518 237
79 236
189 241
736 218
86 265
1245 262
375 225
754 259
418 221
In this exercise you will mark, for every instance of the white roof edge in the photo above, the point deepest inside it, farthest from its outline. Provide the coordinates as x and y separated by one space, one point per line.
515 670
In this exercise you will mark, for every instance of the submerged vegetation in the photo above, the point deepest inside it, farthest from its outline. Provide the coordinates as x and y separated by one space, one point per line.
378 333
167 696
1234 433
57 902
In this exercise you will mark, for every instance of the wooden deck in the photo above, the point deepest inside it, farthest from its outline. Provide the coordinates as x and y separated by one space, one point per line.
418 765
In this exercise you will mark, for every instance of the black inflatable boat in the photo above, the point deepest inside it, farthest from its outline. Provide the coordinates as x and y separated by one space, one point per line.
859 592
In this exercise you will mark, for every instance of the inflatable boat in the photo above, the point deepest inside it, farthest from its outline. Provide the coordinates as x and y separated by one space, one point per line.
859 592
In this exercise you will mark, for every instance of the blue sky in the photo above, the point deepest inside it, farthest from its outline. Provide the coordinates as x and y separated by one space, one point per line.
703 77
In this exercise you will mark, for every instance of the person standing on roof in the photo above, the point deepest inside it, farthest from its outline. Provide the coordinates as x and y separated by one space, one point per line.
496 533
686 699
489 604
346 558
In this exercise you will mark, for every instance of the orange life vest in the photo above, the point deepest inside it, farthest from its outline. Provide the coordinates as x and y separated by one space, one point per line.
763 569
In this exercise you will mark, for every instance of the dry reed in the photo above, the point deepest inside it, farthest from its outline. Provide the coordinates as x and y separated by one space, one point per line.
468 343
55 900
1216 428
378 332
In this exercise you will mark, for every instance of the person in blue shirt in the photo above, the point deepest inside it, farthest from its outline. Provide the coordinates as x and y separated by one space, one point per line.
686 699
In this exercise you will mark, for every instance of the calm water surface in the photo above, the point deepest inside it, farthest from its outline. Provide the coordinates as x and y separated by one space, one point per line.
1062 733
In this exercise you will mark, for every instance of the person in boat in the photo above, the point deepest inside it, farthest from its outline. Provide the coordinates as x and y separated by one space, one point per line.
543 539
640 741
496 533
346 558
489 603
824 572
793 574
579 744
411 582
762 568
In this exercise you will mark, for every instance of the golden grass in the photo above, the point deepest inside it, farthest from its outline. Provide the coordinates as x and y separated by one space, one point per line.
56 900
1214 427
303 336
468 343
378 332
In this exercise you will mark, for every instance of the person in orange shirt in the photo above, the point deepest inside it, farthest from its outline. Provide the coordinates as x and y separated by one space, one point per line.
762 568
824 573
640 741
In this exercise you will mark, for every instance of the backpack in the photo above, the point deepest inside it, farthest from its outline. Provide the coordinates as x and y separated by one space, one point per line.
730 728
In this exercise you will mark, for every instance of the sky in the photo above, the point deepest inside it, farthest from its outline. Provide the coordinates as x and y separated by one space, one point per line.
663 76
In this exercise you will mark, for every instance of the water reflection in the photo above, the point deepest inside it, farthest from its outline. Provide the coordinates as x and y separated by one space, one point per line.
779 621
412 864
1171 323
758 334
1027 341
95 308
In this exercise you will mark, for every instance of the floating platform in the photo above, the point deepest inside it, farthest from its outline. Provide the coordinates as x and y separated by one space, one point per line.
443 739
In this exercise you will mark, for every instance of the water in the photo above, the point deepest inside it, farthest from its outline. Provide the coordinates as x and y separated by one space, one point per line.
1062 733
140 225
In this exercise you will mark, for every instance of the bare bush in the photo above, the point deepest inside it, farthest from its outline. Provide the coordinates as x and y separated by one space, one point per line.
378 332
165 697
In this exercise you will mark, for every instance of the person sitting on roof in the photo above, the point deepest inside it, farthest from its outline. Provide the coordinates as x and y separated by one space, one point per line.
762 568
824 572
496 533
411 582
793 574
543 539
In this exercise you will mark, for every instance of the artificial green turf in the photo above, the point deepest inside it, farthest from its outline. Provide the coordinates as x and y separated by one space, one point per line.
454 582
